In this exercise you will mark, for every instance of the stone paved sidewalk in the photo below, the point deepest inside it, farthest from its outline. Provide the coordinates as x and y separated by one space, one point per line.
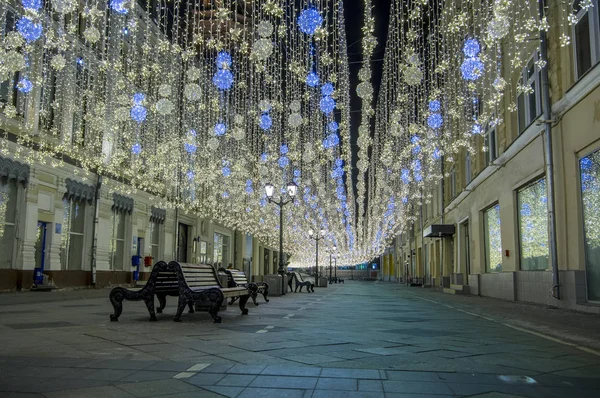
359 339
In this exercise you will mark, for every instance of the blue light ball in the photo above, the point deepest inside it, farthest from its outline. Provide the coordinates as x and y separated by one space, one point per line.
223 79
264 157
405 176
331 141
32 4
265 121
435 106
312 79
339 162
190 148
283 162
309 20
226 171
24 85
283 149
220 129
136 149
223 59
138 98
138 113
471 48
297 173
118 6
30 30
435 121
436 154
471 69
476 129
327 89
327 105
333 126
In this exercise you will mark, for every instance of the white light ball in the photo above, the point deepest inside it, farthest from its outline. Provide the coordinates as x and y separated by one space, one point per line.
58 62
265 29
192 92
212 143
193 73
164 90
295 120
413 75
122 114
364 90
91 35
262 49
295 105
164 106
238 119
64 6
238 133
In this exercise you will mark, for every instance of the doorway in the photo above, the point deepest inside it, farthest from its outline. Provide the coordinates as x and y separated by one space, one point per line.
41 244
182 243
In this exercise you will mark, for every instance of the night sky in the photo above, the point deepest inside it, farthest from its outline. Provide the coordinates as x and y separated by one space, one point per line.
353 13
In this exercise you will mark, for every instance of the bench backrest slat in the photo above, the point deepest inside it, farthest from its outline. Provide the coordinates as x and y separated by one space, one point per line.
198 275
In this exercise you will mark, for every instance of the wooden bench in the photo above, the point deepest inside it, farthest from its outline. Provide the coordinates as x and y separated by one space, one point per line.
190 282
310 287
236 278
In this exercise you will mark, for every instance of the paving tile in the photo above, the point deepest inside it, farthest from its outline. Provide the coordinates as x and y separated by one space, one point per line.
108 374
157 388
347 394
312 359
147 375
235 380
412 376
217 368
416 387
224 391
205 379
271 393
277 370
21 395
475 389
370 385
247 369
351 373
68 384
94 392
284 382
327 383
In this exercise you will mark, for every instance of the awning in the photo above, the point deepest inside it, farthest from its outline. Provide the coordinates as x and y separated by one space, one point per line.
439 231
158 215
79 192
13 170
122 204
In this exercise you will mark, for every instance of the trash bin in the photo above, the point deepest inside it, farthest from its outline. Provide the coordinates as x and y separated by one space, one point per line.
135 262
38 276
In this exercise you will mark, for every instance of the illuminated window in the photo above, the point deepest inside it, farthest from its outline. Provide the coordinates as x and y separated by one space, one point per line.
492 239
589 169
529 105
533 226
8 219
73 228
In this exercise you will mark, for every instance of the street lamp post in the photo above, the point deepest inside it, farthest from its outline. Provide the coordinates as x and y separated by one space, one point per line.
335 266
317 238
331 254
291 191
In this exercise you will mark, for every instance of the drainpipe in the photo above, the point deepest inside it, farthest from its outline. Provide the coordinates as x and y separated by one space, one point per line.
95 229
549 157
442 209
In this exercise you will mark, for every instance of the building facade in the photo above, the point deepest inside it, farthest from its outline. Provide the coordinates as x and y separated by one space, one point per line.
496 201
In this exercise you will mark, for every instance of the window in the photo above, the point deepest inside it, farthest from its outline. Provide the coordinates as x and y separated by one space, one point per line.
491 142
154 240
586 35
492 239
72 244
589 169
533 226
453 183
8 219
118 240
528 101
221 252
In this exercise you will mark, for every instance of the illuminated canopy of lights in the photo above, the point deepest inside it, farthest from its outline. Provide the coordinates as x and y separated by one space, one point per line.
201 104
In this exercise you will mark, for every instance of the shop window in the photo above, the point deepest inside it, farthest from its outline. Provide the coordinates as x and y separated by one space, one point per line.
73 230
589 169
586 35
155 241
528 101
533 226
8 219
118 240
492 239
